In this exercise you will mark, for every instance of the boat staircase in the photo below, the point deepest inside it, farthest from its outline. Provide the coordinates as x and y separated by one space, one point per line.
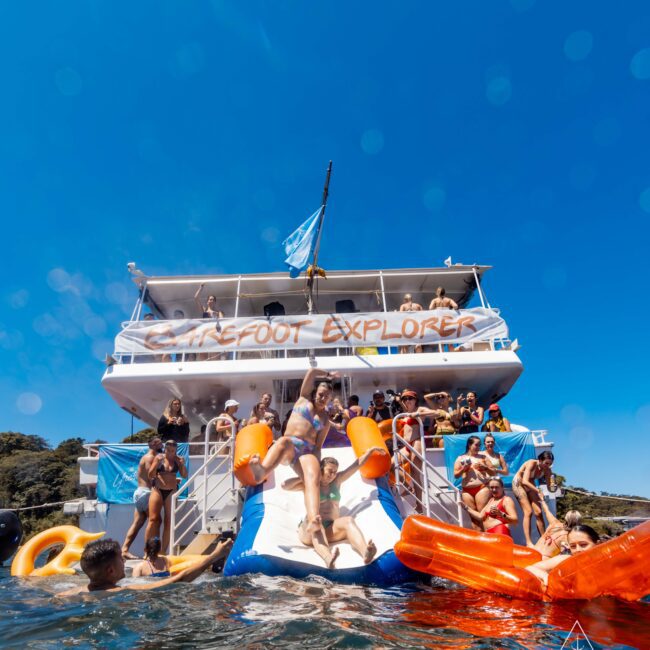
211 499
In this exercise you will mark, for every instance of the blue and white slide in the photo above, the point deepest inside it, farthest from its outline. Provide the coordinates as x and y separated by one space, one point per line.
268 540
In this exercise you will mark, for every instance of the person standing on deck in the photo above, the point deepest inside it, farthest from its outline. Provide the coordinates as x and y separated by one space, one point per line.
409 305
141 497
378 409
173 425
441 302
301 444
275 423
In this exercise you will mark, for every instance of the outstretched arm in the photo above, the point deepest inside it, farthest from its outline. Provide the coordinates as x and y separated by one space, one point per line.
192 572
310 377
295 483
196 297
349 471
550 517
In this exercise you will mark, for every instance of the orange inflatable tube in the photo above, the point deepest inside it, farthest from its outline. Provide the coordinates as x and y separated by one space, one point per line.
364 434
178 563
251 440
487 562
74 539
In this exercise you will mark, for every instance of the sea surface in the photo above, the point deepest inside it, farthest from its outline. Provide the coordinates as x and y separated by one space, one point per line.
261 612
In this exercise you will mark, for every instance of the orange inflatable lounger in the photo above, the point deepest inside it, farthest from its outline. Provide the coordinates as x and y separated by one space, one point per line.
251 440
364 434
488 562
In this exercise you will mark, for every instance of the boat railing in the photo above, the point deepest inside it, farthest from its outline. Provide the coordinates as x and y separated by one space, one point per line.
213 481
425 484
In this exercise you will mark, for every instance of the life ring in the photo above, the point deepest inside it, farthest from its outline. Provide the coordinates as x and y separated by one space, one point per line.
74 539
364 433
252 439
488 562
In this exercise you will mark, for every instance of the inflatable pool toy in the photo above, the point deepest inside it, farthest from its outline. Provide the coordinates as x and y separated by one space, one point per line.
178 563
74 539
364 434
252 439
268 539
487 562
11 532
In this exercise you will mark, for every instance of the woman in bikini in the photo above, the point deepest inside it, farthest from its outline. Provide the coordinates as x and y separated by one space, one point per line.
580 538
411 433
499 513
528 494
475 473
445 423
208 310
300 446
554 539
154 565
337 528
497 423
493 457
470 416
162 474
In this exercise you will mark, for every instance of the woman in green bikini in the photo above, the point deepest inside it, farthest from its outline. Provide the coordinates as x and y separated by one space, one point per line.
336 528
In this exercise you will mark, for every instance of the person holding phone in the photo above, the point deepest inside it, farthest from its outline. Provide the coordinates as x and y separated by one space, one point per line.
378 409
162 474
173 424
499 513
475 472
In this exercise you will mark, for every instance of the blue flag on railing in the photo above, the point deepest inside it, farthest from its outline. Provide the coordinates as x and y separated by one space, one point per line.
299 245
118 471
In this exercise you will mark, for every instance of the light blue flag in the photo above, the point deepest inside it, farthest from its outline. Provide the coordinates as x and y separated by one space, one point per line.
299 245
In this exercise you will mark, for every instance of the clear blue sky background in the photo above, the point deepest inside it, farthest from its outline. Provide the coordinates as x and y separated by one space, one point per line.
192 137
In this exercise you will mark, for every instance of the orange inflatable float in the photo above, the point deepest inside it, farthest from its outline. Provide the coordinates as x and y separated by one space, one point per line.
251 440
487 562
364 434
74 539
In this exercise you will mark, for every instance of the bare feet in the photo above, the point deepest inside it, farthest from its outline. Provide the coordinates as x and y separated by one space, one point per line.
371 551
129 556
315 525
335 554
256 467
222 549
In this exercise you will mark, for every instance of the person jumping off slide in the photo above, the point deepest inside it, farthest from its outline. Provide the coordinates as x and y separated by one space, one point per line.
336 528
300 446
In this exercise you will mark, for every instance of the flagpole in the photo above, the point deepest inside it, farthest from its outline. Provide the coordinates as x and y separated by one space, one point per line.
310 279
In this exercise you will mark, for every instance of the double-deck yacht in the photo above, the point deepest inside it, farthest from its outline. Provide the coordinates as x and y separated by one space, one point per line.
273 329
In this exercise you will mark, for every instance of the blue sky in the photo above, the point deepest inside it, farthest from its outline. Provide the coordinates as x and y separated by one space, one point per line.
193 137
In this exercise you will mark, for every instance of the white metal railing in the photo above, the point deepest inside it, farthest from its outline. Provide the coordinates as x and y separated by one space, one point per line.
214 462
423 489
539 438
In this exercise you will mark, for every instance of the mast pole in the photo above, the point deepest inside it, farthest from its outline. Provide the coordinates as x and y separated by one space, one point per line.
310 279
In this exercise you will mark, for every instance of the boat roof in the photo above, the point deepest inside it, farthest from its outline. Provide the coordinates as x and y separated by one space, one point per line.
247 294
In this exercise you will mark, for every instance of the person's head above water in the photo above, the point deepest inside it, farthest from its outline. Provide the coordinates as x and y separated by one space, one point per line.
152 547
329 468
102 562
582 538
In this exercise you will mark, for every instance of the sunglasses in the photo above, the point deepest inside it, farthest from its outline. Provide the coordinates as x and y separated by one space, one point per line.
408 399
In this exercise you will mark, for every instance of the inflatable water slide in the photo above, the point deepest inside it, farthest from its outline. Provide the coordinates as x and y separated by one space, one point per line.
268 539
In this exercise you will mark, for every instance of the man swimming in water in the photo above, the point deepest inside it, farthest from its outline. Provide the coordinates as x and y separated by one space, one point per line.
103 563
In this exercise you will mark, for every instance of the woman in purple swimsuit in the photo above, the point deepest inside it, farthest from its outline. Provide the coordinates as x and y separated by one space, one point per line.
301 444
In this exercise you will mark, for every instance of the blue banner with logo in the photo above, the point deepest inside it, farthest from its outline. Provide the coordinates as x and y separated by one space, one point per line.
117 477
516 448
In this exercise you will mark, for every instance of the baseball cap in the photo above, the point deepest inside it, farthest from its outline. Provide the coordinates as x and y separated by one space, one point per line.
378 392
494 407
231 402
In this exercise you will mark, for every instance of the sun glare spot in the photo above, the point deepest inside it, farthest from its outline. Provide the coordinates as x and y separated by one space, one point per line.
498 90
58 280
640 65
68 81
19 299
434 198
578 45
581 438
372 141
29 403
572 414
644 200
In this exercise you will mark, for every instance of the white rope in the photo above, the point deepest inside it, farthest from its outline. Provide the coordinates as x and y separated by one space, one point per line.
603 496
44 505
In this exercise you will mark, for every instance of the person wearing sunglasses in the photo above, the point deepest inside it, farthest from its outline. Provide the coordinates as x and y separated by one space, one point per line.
498 514
497 423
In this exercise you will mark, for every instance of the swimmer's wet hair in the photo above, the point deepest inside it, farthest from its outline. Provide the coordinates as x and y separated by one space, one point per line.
586 530
98 555
546 455
328 460
152 547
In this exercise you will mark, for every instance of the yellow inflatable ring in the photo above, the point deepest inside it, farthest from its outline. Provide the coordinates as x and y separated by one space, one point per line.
178 563
74 539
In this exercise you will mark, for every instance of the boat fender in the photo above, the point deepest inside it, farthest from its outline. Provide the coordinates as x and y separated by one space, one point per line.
11 532
364 433
74 539
252 439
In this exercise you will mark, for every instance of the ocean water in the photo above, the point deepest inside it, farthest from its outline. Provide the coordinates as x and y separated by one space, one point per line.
261 612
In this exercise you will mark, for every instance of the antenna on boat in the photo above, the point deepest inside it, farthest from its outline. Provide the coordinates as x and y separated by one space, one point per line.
313 269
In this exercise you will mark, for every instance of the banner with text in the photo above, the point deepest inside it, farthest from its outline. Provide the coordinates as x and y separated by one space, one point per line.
312 331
